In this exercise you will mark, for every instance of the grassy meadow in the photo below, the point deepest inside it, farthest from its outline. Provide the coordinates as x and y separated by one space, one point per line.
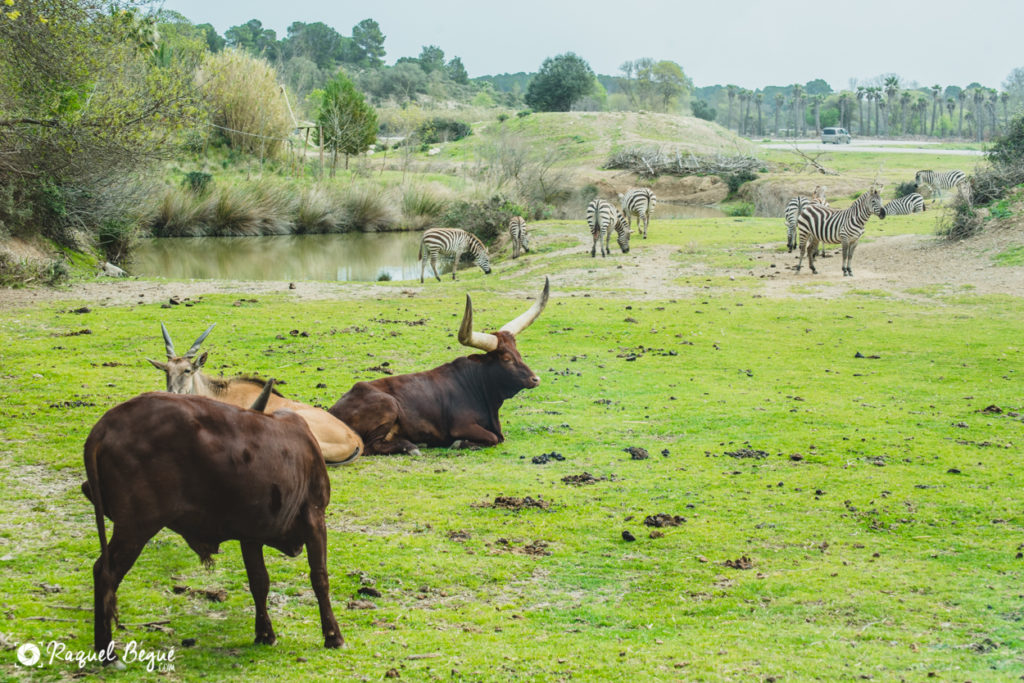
841 472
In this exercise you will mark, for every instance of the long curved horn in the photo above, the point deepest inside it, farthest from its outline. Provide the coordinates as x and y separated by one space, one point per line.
260 404
523 321
477 340
168 344
195 345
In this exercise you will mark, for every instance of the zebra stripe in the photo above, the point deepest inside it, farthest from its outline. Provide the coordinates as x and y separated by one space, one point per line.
639 202
602 217
908 204
942 181
517 231
793 208
452 242
820 224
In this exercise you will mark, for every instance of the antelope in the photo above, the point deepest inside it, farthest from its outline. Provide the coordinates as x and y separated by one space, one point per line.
339 444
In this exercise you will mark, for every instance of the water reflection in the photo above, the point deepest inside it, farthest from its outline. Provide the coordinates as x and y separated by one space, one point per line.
353 256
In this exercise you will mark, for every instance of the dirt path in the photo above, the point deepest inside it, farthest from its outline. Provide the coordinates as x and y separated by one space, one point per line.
906 266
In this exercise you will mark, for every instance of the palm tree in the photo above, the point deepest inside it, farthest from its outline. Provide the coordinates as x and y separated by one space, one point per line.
758 101
798 95
936 92
979 116
744 96
922 116
860 108
905 99
876 95
961 98
881 110
950 107
844 103
1004 97
780 101
993 100
730 90
892 88
816 101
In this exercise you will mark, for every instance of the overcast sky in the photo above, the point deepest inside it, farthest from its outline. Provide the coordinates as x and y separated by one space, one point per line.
744 42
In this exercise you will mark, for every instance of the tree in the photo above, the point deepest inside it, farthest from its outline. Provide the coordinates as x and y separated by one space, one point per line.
780 101
214 41
254 39
670 83
818 87
431 59
816 101
561 81
905 100
1014 85
730 91
317 42
349 124
403 81
936 93
703 110
798 95
961 99
456 71
368 41
861 93
758 101
84 107
744 97
979 116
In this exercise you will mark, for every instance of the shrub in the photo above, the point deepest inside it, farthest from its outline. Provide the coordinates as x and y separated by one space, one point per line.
117 238
502 117
197 181
903 189
703 110
734 180
179 214
523 114
384 276
739 209
960 221
486 219
421 207
318 212
243 96
440 129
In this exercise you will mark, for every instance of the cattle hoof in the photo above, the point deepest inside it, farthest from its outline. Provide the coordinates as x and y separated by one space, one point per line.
266 639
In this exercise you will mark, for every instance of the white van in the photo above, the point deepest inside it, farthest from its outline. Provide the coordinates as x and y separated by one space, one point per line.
834 135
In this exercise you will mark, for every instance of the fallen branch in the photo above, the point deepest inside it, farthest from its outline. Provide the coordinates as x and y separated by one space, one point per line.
814 162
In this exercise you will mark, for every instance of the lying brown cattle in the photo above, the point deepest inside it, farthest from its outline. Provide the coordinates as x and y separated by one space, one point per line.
339 444
457 400
210 472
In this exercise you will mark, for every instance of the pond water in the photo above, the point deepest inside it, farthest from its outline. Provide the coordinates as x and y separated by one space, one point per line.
352 256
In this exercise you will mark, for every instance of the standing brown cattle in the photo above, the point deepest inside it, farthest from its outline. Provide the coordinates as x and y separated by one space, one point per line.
339 444
210 472
457 400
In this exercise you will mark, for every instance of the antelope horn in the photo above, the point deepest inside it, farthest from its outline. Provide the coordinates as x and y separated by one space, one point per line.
477 340
168 344
523 321
195 345
260 404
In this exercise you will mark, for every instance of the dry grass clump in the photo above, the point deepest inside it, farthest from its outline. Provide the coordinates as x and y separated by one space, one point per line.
367 209
421 207
318 211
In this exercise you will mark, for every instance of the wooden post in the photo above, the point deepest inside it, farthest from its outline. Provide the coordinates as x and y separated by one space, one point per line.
305 146
321 129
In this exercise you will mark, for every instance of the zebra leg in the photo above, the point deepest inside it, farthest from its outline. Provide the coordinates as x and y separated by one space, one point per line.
801 248
433 264
846 258
455 263
812 249
593 247
849 259
647 221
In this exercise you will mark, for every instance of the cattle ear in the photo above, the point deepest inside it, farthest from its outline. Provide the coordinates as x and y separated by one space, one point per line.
158 365
199 362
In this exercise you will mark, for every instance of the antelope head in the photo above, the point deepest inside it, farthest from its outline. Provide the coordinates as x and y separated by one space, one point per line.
182 371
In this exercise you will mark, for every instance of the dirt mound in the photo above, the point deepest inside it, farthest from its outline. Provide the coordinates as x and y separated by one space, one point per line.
516 504
688 190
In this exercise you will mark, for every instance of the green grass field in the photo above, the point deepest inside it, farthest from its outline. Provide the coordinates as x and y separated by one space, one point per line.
851 501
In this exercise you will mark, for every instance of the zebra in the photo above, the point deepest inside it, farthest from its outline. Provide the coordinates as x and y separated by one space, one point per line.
639 202
454 242
911 203
517 231
602 216
820 224
943 181
793 208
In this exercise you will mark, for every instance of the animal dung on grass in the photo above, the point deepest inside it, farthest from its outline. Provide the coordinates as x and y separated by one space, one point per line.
662 520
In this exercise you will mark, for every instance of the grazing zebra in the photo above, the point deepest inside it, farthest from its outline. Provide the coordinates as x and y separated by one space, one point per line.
820 224
517 231
602 217
793 208
908 204
454 242
943 181
639 202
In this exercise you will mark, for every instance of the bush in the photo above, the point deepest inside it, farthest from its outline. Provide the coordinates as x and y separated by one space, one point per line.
244 98
117 238
367 210
197 181
903 189
734 180
523 114
441 129
739 209
318 212
1008 149
486 219
502 117
960 221
703 110
421 207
